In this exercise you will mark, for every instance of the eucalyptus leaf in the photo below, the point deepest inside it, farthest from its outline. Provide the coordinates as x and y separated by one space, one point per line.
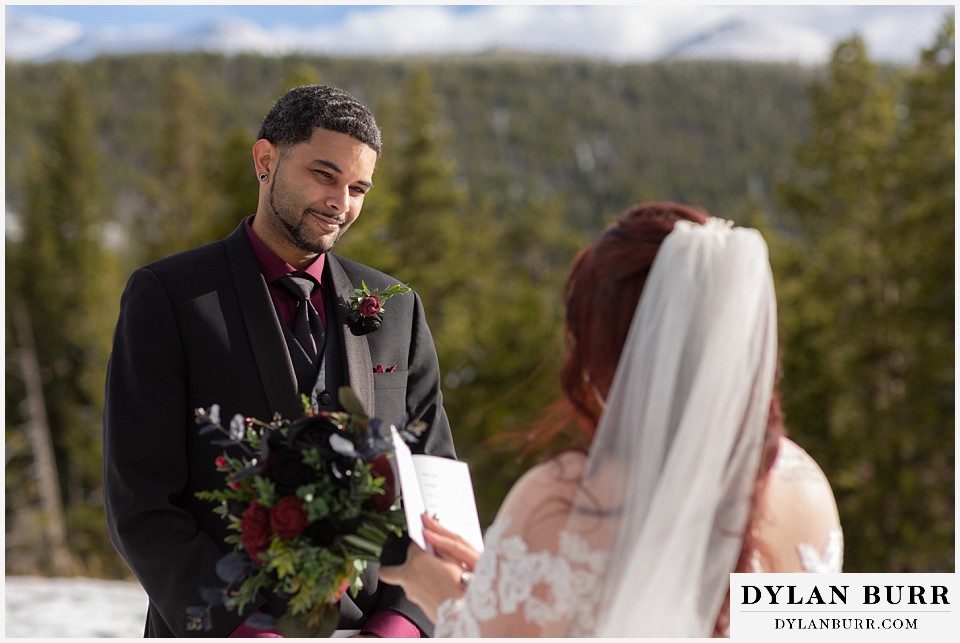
212 595
342 445
238 427
233 567
246 473
264 449
351 403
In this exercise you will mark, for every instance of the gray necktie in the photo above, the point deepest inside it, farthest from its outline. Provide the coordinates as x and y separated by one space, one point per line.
307 327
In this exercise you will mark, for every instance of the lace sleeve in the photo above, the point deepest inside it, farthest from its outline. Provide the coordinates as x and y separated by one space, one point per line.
529 582
519 592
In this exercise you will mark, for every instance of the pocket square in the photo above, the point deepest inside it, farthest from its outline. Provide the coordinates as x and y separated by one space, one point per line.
379 369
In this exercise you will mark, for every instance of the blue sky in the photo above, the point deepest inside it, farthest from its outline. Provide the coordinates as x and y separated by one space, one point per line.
187 14
182 14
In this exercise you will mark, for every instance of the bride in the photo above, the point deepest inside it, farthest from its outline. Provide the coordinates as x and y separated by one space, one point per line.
671 469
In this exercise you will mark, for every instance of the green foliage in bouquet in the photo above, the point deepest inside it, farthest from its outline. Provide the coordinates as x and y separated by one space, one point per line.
309 503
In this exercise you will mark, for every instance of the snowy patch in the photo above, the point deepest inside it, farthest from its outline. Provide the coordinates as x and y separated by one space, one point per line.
73 608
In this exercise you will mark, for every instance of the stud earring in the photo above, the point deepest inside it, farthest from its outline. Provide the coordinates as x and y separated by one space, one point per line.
262 177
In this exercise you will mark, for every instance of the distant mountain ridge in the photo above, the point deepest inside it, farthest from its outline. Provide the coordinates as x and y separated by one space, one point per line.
753 39
738 35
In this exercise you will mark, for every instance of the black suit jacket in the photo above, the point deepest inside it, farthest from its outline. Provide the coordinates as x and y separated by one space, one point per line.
199 328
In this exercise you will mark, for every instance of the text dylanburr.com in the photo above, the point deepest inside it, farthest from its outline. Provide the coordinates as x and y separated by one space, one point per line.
849 607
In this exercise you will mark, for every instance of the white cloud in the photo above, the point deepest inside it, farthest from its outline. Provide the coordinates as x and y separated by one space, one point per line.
32 36
618 32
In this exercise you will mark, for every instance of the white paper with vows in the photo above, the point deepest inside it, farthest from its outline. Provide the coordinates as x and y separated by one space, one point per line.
440 486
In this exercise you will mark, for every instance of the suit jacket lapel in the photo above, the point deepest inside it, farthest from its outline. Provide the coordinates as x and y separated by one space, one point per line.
263 327
356 349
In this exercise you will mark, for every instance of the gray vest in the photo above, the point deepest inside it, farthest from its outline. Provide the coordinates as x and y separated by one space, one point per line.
319 384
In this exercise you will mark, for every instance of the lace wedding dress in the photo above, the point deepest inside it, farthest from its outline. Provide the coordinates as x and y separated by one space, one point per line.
520 591
536 577
638 537
537 592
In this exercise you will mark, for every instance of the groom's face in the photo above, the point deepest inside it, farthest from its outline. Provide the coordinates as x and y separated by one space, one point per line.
317 189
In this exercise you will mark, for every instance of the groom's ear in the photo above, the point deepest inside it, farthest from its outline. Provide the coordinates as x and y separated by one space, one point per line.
395 550
265 155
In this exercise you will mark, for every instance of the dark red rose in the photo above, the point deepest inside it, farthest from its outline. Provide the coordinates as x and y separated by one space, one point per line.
255 530
287 518
380 467
370 306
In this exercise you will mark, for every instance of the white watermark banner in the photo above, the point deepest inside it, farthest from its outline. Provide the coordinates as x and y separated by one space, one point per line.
844 607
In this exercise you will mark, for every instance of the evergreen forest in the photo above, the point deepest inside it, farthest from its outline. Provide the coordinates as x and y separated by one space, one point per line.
496 170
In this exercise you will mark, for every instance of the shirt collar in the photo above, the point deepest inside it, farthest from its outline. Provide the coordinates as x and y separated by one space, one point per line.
273 266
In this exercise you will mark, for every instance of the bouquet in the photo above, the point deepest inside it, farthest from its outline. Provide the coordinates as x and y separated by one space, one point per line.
309 503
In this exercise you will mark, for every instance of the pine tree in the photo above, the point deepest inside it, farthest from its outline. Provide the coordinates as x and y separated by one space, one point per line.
519 313
234 181
844 334
62 273
923 260
181 207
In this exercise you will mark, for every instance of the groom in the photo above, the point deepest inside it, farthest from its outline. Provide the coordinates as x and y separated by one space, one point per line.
216 325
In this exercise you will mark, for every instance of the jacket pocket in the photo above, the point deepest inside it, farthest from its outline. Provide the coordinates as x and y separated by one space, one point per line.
390 397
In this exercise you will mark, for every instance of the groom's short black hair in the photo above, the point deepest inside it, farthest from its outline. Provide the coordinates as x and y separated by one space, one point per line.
301 110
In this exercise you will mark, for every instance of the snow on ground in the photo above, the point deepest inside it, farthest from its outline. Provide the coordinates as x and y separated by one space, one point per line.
73 608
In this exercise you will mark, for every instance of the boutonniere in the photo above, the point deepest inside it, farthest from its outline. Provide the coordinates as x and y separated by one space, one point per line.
366 307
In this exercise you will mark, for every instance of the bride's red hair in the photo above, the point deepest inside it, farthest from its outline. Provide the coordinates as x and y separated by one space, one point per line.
601 295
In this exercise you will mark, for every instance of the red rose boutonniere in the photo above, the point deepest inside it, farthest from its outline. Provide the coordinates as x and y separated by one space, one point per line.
366 307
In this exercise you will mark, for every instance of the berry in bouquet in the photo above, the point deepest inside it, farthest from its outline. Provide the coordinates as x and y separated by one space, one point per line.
309 503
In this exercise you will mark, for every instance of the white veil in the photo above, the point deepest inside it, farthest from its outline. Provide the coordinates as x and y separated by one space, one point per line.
678 445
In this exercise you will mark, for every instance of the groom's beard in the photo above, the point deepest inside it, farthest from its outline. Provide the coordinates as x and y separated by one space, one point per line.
295 219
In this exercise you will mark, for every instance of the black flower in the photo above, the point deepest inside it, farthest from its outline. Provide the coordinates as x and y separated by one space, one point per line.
312 433
324 532
360 325
329 531
288 470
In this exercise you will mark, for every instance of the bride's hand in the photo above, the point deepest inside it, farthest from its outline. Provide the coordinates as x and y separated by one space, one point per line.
426 580
449 546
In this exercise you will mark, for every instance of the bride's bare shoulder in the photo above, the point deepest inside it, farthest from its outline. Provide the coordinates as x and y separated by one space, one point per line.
797 475
558 475
552 484
798 511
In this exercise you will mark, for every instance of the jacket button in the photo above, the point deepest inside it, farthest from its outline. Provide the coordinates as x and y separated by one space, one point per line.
325 398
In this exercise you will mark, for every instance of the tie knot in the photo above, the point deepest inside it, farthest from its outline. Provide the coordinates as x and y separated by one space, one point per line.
298 284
